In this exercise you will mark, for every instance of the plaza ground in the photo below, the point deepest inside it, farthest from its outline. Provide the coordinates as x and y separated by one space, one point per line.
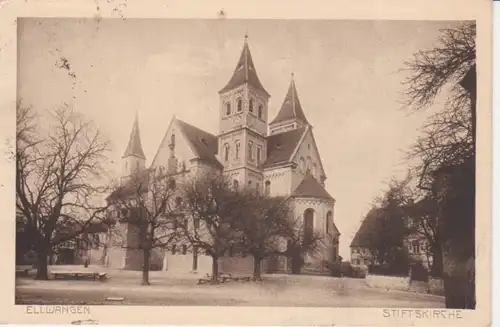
182 289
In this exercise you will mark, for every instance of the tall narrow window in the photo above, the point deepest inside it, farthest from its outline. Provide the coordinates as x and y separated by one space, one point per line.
257 189
226 152
236 185
250 105
259 149
261 109
329 222
240 105
172 139
267 188
237 153
228 108
250 150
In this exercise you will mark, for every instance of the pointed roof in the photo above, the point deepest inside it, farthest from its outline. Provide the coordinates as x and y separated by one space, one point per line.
291 107
244 72
311 188
134 147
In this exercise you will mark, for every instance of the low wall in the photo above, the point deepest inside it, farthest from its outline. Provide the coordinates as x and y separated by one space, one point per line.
388 282
436 286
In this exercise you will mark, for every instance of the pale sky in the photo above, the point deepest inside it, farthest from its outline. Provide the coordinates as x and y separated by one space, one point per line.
346 74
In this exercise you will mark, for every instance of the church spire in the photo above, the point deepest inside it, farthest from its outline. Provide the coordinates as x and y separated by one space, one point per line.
291 109
245 72
134 147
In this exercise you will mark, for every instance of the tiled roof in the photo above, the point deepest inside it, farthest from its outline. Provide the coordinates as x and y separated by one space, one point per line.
360 239
244 73
291 107
130 186
311 188
134 147
203 143
280 147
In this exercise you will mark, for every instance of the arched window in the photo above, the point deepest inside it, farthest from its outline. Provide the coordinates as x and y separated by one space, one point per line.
228 108
250 105
178 201
171 184
240 105
236 184
172 139
226 152
329 222
237 151
267 188
314 169
249 183
261 109
259 150
250 150
308 225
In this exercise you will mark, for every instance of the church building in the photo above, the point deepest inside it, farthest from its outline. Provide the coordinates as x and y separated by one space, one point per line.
273 156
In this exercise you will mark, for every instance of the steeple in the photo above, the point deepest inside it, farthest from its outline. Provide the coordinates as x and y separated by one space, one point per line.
134 147
291 114
244 72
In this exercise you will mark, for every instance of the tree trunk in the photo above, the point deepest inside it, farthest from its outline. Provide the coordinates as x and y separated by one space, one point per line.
296 263
456 194
145 266
195 259
215 270
42 272
256 268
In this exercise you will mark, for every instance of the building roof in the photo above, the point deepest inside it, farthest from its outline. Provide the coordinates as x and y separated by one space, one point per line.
244 72
311 188
469 80
203 143
134 147
291 107
141 181
367 226
280 147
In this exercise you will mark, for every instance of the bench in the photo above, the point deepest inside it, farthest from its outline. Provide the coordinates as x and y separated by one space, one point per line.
224 277
80 275
23 270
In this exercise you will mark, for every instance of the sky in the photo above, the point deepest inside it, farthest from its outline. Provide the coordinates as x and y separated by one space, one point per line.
347 74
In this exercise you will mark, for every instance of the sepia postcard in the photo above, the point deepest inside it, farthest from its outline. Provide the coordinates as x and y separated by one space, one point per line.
260 163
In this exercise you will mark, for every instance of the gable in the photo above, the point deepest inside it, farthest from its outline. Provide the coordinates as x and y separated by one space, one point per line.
182 150
307 156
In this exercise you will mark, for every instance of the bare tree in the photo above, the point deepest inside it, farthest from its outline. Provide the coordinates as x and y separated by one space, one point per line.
149 206
213 209
57 174
448 136
265 226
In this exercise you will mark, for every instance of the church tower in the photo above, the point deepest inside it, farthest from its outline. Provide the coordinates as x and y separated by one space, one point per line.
133 159
243 124
291 115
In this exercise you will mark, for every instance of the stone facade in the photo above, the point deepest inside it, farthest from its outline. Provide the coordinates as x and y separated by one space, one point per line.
280 158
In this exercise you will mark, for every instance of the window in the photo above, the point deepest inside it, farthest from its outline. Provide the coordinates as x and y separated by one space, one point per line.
226 152
172 139
329 222
249 183
257 191
415 247
267 188
178 201
196 223
235 185
250 150
250 105
302 165
240 105
308 225
228 108
171 184
261 108
259 149
237 153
